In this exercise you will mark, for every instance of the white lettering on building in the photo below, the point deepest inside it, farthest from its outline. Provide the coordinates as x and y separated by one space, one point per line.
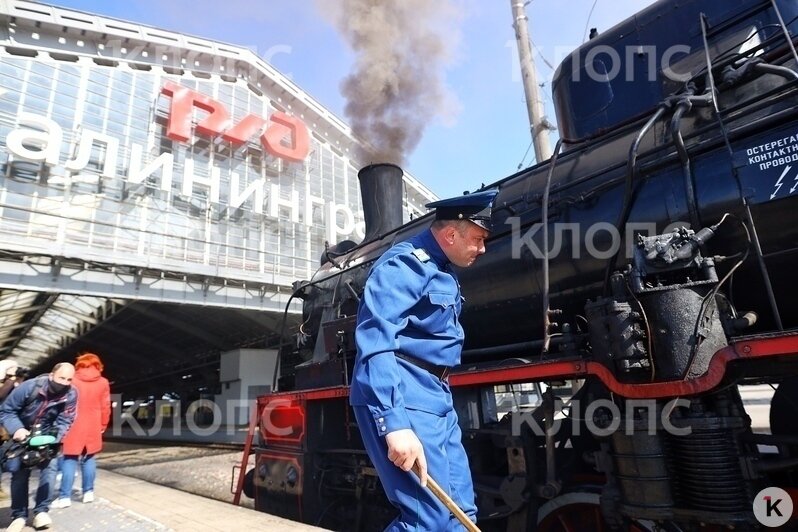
39 139
36 145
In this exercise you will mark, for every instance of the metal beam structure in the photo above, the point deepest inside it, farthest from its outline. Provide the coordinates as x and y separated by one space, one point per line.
31 316
16 311
119 282
150 348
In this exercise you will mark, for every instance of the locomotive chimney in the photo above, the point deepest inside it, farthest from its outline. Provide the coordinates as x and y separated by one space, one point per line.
381 192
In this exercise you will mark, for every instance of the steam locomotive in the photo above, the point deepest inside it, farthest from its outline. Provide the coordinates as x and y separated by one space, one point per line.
632 283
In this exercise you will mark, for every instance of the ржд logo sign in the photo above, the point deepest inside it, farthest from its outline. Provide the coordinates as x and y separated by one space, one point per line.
218 122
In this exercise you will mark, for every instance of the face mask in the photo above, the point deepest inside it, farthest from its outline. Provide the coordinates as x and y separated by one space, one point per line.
56 388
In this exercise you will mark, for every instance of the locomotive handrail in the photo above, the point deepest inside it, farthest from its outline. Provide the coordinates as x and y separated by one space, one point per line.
787 36
753 233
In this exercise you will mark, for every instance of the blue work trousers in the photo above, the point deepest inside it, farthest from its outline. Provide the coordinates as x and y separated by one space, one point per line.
447 463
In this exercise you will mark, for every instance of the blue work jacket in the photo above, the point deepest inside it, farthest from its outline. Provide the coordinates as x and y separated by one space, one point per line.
31 403
411 305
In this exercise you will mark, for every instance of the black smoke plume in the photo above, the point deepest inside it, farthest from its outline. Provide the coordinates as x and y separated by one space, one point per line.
396 88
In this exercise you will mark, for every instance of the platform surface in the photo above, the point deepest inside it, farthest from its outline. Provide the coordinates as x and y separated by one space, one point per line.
130 504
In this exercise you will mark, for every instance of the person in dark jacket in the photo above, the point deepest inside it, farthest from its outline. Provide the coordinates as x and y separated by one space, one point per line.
8 374
84 439
46 404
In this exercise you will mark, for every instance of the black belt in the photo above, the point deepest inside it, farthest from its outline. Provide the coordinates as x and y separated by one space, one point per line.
442 372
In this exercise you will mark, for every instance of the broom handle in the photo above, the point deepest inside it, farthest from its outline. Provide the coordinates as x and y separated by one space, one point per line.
448 502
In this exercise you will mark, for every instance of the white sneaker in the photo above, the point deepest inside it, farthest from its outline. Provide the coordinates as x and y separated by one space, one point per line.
88 497
17 525
41 521
61 502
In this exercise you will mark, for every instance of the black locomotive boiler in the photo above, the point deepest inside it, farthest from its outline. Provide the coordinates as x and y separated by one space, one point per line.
632 284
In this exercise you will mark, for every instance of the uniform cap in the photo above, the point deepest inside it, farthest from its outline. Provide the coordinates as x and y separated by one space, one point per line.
475 207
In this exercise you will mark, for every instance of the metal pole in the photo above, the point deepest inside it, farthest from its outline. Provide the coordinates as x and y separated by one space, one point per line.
538 124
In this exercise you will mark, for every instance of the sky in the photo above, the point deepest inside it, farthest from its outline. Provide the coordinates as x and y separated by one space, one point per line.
482 138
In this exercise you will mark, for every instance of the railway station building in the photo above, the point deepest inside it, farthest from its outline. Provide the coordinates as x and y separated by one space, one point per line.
159 194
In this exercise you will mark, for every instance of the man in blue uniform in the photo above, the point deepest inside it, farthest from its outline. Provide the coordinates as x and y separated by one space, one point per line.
408 338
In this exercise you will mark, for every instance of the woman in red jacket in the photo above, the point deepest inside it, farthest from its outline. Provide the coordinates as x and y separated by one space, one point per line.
84 439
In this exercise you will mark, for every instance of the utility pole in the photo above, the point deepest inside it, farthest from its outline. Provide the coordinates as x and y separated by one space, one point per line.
538 124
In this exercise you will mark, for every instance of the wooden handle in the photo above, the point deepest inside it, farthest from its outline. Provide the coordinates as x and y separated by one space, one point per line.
448 502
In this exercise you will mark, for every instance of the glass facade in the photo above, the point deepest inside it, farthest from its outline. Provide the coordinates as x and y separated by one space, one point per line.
87 170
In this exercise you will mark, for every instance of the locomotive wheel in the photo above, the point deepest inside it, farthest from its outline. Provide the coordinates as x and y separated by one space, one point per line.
577 511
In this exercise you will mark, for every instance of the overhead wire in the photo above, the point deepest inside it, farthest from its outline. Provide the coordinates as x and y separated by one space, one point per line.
525 154
546 61
587 22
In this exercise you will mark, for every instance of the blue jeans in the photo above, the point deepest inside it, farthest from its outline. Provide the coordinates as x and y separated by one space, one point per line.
88 471
20 477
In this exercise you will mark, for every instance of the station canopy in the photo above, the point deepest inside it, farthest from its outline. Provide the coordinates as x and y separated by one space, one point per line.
148 348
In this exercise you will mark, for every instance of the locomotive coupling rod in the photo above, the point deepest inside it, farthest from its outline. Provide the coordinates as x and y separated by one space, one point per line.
448 502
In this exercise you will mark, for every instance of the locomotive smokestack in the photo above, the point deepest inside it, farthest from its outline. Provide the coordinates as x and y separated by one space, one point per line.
381 192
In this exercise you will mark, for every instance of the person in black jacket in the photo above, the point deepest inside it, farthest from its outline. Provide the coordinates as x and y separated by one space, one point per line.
46 404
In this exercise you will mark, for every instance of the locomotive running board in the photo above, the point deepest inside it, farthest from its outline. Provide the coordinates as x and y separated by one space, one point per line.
759 347
746 348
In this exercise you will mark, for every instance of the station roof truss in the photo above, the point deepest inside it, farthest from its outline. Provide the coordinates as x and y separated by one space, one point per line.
147 347
35 324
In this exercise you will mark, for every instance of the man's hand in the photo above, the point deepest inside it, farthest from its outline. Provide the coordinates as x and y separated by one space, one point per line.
21 434
404 450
